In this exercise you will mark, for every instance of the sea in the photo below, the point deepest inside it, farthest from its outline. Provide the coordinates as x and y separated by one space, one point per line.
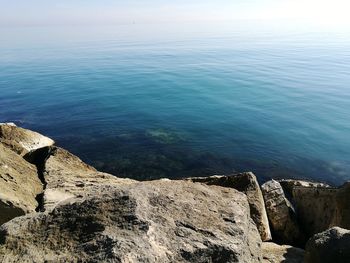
188 99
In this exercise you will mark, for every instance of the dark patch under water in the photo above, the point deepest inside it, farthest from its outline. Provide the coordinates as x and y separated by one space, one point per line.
142 157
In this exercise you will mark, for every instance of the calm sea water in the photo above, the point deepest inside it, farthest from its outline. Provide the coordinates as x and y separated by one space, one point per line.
175 101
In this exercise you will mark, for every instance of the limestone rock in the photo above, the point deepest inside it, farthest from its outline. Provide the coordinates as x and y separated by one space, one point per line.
159 221
315 204
281 214
289 185
331 246
7 123
19 185
22 141
342 213
319 206
248 184
67 176
273 253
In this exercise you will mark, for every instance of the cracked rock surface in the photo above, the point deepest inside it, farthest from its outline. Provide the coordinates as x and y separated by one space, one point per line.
159 221
281 214
19 185
22 141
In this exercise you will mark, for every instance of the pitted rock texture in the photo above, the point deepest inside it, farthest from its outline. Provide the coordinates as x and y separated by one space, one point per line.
248 184
19 185
22 141
67 176
160 221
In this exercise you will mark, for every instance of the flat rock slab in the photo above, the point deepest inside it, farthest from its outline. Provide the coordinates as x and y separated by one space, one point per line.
19 185
22 141
159 221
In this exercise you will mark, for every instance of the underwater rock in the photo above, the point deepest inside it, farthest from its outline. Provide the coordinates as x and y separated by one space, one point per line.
164 137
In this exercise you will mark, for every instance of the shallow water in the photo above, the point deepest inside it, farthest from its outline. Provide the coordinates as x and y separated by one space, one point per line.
173 101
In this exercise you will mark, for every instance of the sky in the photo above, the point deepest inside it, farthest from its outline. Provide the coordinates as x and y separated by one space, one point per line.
49 12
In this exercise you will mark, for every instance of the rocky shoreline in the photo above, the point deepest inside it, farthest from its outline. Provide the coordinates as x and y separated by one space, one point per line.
56 208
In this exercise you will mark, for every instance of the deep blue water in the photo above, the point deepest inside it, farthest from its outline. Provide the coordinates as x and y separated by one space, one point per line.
173 101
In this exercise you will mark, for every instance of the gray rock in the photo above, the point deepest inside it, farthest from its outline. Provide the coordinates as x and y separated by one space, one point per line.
248 184
67 176
273 253
160 221
22 141
331 246
281 214
19 185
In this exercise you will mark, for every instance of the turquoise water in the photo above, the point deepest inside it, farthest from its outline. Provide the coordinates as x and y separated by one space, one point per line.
174 101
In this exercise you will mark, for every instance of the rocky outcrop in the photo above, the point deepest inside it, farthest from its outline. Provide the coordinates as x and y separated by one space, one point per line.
319 206
160 221
84 215
273 253
331 246
342 211
67 176
22 141
289 185
281 214
315 204
19 185
248 184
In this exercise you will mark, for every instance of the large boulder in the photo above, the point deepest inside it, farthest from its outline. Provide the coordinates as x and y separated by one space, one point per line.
22 141
19 185
314 203
248 184
281 214
331 246
273 253
159 221
67 176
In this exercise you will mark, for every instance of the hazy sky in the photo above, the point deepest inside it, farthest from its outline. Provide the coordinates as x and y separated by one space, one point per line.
47 12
